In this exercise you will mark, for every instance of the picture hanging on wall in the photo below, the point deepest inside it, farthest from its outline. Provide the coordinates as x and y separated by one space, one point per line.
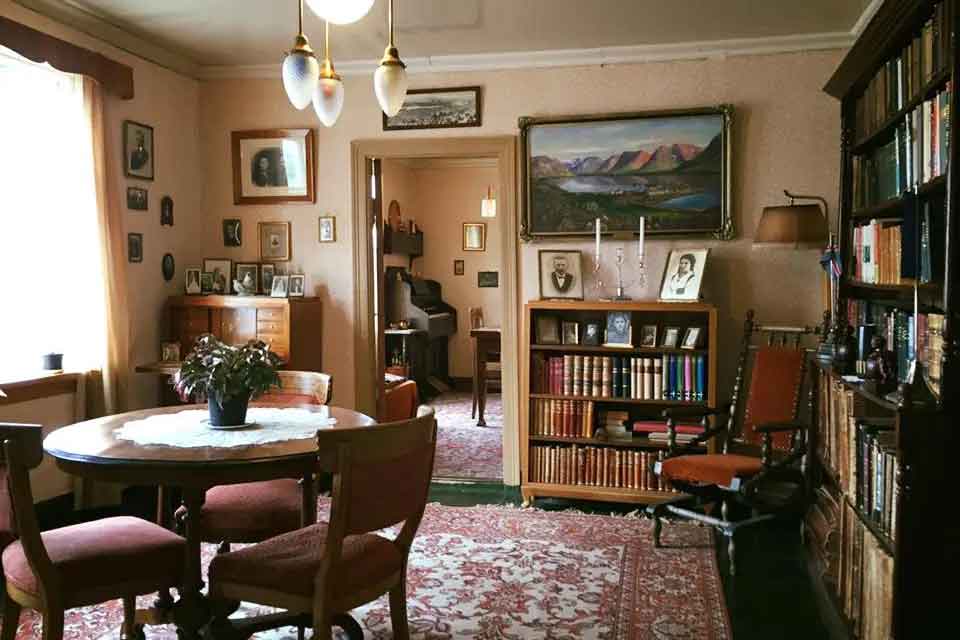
137 199
437 109
271 166
137 150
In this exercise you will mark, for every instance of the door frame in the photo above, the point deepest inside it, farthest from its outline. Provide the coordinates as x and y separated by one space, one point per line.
368 370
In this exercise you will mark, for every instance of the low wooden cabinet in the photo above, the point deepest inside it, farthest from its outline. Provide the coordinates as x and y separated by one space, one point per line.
291 326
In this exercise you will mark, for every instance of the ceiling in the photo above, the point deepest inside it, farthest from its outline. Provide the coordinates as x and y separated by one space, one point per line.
254 32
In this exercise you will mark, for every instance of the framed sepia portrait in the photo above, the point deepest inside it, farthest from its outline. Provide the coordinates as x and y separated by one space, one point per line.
170 351
328 229
137 199
266 277
458 267
191 282
137 150
570 332
619 330
221 270
437 109
591 334
232 232
683 274
670 168
548 329
248 274
297 286
648 336
474 236
274 241
280 286
273 165
206 282
135 247
561 275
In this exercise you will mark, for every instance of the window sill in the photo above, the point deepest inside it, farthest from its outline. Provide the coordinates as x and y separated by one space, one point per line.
39 385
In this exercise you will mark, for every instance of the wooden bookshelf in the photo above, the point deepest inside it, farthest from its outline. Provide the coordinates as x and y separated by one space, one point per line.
536 444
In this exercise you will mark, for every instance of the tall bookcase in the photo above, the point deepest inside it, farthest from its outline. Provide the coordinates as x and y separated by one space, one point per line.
883 529
565 452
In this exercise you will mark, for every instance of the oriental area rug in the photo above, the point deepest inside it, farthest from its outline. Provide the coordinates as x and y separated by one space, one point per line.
502 572
465 450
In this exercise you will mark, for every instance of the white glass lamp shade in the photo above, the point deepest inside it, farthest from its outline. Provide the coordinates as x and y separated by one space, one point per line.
488 208
328 100
340 11
300 74
390 85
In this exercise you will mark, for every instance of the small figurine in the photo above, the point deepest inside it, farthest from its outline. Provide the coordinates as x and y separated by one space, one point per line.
845 348
880 374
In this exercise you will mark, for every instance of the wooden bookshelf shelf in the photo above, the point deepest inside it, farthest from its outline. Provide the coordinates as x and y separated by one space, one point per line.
882 539
892 208
685 403
607 494
634 443
577 348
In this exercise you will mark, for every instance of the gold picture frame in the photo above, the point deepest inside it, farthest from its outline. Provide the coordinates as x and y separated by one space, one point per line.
474 236
266 170
327 229
275 241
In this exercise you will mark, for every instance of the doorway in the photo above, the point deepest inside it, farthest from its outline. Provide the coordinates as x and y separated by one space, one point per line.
426 280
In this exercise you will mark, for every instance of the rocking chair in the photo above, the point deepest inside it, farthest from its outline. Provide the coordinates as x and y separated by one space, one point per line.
762 463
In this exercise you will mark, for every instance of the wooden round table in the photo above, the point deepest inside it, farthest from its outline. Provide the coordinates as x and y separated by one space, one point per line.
92 451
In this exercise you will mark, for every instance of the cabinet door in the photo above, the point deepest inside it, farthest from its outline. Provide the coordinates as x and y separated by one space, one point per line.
237 326
273 327
189 323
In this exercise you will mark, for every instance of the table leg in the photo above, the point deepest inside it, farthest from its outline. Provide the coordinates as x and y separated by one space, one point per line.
192 610
482 391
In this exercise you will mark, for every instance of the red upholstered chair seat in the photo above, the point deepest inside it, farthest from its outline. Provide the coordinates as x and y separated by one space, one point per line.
108 554
719 469
252 511
289 563
401 402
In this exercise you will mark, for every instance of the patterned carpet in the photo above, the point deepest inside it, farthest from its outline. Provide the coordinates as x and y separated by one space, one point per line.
465 450
499 572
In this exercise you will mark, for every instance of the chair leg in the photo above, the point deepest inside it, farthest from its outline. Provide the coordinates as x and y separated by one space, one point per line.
131 630
11 619
398 610
349 625
53 625
731 554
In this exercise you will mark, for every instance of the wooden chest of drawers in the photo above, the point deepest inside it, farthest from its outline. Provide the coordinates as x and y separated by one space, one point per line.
291 326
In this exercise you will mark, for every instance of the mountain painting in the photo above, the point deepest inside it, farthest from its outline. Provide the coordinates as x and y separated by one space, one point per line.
668 169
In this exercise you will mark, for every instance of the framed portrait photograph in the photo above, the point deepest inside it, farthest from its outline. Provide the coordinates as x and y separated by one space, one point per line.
671 337
297 286
248 274
570 332
648 335
561 275
488 279
280 286
437 109
221 270
548 329
170 351
670 168
135 247
191 282
206 282
619 331
266 277
168 266
166 211
691 338
137 150
232 232
273 165
274 241
328 229
474 236
592 332
137 199
458 267
683 274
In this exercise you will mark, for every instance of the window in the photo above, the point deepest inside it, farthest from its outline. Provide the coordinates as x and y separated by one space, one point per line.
50 248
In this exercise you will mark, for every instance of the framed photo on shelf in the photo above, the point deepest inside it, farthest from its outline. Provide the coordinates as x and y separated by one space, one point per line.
591 334
682 274
280 286
437 109
571 332
137 150
671 336
691 338
274 241
248 274
619 331
191 282
137 199
266 277
222 270
561 274
648 335
170 351
474 236
297 285
206 282
548 329
271 166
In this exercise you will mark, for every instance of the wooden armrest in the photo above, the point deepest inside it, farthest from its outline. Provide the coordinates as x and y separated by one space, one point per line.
694 412
777 427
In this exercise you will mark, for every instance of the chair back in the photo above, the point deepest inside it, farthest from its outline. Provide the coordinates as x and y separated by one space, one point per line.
400 402
300 387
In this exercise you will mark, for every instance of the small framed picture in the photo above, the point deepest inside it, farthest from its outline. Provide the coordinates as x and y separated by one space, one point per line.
266 277
474 236
683 274
166 211
671 336
137 150
458 267
328 229
648 335
571 333
192 285
135 247
248 274
591 334
619 331
548 330
232 232
206 282
691 338
274 241
560 274
170 351
280 286
488 279
137 199
222 270
297 285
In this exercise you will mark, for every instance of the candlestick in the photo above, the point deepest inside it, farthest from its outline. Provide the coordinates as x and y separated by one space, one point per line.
640 239
597 227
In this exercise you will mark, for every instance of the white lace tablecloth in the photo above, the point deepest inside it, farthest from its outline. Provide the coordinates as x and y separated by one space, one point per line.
190 428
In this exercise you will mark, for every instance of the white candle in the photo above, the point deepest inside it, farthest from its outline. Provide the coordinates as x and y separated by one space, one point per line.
597 227
640 239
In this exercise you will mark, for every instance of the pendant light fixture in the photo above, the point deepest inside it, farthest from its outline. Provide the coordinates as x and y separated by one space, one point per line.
390 78
328 98
300 68
340 11
488 206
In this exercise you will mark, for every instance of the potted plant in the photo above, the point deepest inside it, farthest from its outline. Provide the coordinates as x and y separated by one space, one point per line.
229 377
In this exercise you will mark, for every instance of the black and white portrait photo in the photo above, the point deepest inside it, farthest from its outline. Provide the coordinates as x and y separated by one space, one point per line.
137 199
648 335
166 211
266 277
683 274
561 275
280 286
192 282
297 286
273 166
138 150
268 168
231 232
591 334
619 332
222 270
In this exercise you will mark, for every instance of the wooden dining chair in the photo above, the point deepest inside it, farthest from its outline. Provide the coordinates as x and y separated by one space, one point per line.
381 477
492 372
400 401
74 566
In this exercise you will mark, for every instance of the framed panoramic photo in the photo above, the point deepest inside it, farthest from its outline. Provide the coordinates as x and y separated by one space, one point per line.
671 168
274 241
137 150
437 109
273 165
683 274
561 275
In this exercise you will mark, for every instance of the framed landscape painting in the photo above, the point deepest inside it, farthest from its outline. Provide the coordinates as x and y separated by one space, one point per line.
437 109
671 168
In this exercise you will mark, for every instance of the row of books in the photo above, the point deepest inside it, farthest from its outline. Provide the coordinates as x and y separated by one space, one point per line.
916 154
904 76
663 377
865 585
562 418
597 467
885 251
877 491
876 252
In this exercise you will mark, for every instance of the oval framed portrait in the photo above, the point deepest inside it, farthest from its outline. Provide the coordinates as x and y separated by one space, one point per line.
167 266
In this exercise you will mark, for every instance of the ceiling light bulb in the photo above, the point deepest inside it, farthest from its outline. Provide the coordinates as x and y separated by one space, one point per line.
340 11
328 98
300 69
488 206
390 78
